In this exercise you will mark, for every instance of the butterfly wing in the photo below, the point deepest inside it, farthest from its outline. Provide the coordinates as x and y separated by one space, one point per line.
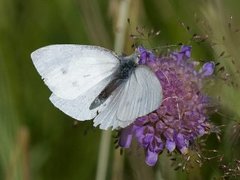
71 70
78 108
108 116
140 95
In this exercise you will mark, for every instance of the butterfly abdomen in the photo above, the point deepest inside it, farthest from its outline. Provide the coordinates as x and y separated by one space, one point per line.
106 92
127 66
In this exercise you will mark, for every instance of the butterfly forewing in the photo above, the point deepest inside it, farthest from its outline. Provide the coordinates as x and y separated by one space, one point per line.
138 96
71 70
143 95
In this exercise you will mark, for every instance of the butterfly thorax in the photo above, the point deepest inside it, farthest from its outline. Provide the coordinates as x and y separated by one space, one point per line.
126 68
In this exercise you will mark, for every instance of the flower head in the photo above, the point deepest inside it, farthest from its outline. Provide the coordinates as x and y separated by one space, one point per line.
182 116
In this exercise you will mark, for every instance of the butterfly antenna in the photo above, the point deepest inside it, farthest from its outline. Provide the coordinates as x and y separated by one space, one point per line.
167 46
177 98
165 76
179 114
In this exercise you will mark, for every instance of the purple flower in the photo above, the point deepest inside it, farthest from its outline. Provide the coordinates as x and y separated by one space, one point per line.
183 54
145 56
182 116
207 69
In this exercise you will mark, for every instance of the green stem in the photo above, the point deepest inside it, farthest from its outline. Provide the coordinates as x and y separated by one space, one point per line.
103 155
121 25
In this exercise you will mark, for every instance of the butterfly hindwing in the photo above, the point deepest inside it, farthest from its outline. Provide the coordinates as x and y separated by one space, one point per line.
78 108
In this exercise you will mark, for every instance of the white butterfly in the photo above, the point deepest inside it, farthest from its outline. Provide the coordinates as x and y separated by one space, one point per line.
92 82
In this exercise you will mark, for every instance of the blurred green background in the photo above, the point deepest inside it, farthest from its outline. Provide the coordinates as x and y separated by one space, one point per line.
39 142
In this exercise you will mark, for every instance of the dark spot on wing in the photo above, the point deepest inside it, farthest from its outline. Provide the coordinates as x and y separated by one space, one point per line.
86 75
64 71
74 83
